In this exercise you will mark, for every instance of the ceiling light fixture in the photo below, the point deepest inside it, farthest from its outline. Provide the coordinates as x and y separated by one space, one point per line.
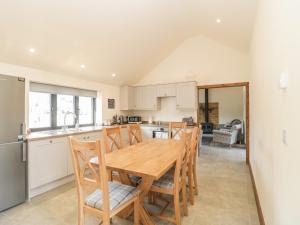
31 50
114 75
82 66
218 20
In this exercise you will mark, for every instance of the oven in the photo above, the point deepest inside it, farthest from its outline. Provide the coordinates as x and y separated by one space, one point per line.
160 133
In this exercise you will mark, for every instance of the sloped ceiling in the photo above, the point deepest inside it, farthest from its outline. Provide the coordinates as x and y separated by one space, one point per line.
126 37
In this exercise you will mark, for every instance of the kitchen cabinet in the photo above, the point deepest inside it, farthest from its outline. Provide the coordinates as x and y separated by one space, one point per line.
166 90
148 98
145 98
138 101
47 161
127 98
186 96
50 159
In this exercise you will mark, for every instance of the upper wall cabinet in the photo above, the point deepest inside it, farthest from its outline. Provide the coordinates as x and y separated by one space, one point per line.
138 98
166 90
127 98
147 97
186 96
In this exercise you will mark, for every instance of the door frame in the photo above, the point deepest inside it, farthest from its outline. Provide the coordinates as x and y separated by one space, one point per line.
239 84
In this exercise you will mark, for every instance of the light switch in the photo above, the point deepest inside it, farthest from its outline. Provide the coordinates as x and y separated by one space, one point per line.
284 80
284 136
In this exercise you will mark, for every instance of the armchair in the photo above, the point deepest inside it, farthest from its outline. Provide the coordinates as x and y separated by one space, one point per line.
227 136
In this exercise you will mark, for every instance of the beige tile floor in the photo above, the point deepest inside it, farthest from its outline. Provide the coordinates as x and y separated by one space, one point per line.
226 197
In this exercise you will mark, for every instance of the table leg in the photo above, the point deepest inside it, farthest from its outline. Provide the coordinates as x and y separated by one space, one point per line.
144 186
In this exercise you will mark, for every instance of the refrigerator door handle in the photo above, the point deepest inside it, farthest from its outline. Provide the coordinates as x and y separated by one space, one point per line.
24 152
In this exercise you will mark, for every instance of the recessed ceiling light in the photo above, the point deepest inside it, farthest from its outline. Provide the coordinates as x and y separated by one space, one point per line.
114 75
218 20
32 50
82 66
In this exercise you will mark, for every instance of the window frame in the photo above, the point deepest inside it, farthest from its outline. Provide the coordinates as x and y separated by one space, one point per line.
53 117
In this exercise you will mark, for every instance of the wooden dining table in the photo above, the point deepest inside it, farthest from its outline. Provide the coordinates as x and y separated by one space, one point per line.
150 160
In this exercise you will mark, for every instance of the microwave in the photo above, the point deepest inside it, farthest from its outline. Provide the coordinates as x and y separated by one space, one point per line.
134 119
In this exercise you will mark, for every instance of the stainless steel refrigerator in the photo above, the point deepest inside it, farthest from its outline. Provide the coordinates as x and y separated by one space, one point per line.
12 146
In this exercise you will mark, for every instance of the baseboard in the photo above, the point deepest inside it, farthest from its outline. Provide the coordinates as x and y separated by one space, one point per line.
259 210
47 187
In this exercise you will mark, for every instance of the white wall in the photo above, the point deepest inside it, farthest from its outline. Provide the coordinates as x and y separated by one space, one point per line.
203 60
276 166
231 102
104 91
197 59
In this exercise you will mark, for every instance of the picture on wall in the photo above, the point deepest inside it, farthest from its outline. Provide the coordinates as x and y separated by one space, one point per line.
111 103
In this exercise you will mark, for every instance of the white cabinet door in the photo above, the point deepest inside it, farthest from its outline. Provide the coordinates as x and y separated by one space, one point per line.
166 90
47 161
138 101
127 100
186 96
149 98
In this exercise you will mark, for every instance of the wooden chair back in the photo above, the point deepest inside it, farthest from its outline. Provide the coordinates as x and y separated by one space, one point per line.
194 143
134 134
175 128
89 177
181 163
112 139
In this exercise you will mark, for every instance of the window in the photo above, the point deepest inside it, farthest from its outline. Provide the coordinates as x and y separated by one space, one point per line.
50 106
65 108
39 110
86 115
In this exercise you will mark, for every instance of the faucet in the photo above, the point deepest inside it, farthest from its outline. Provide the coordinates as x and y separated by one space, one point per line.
65 127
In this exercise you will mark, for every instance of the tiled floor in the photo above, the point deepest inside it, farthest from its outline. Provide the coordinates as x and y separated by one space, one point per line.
226 197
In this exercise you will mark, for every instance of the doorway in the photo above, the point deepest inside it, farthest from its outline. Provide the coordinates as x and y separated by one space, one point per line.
247 110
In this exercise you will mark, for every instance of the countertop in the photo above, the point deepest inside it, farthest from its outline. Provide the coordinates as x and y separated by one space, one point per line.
35 136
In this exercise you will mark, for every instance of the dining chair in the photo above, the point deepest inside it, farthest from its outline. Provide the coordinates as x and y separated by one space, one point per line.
174 182
192 165
96 195
175 128
113 141
134 134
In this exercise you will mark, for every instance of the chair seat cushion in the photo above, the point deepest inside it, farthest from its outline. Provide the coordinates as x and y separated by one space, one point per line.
118 194
166 181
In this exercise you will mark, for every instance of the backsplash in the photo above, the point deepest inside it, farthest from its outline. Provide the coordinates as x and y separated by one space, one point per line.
167 112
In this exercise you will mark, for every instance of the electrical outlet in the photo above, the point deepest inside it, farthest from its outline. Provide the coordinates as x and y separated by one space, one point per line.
284 136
